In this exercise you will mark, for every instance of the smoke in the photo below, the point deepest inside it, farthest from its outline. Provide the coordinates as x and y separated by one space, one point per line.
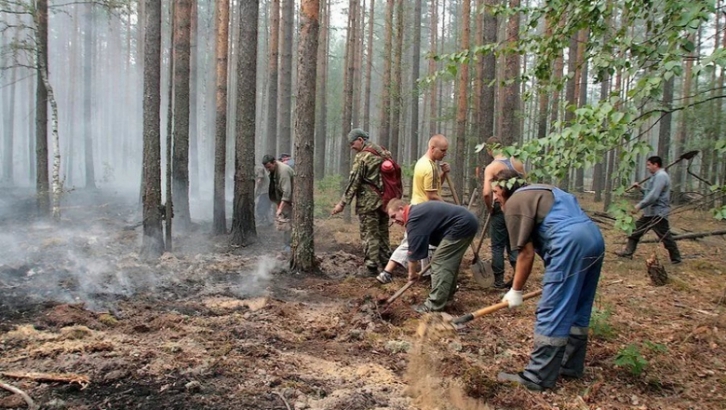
100 268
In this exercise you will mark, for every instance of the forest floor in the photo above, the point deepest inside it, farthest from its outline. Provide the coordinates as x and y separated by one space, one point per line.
215 327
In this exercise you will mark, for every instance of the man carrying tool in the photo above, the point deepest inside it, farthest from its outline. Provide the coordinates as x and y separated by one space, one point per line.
280 192
365 183
656 207
263 206
497 227
427 182
550 222
451 228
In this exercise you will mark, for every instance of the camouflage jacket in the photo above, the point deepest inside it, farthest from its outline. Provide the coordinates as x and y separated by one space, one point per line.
365 173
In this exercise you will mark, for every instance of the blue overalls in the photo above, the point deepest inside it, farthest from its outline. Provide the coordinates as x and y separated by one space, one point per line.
572 249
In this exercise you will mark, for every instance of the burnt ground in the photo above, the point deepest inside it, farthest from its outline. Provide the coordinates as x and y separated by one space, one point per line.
216 327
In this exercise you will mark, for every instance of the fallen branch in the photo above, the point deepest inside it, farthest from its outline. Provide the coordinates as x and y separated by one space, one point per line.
79 379
694 309
24 395
283 399
694 235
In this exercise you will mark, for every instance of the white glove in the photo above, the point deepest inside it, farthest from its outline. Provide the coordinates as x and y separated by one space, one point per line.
514 297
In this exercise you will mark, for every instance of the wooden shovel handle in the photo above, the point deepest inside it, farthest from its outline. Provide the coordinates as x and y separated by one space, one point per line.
491 309
481 237
453 191
406 286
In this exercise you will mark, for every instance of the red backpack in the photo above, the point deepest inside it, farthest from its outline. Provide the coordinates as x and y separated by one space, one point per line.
391 177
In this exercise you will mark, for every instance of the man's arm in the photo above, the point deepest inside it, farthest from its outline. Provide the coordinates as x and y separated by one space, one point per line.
487 189
658 183
523 268
430 186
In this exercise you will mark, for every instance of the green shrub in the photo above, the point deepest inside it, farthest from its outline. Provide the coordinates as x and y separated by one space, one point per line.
631 359
600 323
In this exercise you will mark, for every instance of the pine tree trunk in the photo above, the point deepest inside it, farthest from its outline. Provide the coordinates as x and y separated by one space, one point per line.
285 94
193 103
345 153
32 124
180 164
396 85
415 73
272 82
88 46
42 184
582 99
153 241
220 136
9 130
243 215
462 103
598 182
570 96
488 90
385 113
357 59
678 173
321 99
433 46
369 69
303 245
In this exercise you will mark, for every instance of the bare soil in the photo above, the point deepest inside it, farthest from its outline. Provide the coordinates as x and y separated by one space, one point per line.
217 327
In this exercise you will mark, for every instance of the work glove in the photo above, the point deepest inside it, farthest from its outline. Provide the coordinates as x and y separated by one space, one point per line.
513 297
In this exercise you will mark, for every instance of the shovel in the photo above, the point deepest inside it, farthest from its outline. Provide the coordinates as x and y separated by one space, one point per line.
686 156
482 271
404 287
434 325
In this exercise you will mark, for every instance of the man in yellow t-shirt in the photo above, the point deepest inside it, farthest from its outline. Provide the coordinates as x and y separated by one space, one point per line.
427 182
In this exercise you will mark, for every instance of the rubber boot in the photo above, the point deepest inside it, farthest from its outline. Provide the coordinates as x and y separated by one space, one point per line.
629 249
573 362
544 365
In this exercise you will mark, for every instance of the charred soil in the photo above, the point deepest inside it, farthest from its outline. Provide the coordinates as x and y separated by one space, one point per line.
216 327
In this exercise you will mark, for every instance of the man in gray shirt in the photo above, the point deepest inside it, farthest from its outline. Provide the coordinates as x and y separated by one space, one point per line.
656 207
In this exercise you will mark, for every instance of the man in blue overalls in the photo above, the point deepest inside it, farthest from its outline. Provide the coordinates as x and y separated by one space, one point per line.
549 221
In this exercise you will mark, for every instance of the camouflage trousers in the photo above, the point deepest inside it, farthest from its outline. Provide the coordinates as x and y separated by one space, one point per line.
374 237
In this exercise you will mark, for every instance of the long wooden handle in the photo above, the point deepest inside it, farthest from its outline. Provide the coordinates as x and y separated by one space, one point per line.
491 309
481 237
453 191
406 286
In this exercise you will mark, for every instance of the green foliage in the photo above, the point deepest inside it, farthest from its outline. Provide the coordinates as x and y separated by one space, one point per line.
327 194
600 323
631 360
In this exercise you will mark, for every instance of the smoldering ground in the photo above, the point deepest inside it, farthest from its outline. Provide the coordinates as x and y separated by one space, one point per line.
91 257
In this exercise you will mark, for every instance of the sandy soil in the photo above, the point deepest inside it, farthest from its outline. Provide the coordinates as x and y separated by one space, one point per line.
215 327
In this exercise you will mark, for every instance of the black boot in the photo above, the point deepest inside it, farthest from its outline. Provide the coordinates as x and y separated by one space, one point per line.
629 249
544 365
573 362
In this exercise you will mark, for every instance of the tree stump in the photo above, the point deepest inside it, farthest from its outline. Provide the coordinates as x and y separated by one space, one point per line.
656 271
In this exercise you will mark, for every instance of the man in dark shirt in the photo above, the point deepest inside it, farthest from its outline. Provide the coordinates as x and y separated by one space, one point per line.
451 228
549 221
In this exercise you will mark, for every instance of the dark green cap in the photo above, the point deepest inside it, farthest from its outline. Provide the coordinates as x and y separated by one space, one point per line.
356 133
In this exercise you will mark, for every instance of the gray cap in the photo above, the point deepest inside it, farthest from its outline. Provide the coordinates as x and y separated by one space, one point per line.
356 133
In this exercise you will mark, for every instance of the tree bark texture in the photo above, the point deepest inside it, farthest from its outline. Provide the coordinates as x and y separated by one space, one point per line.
9 130
489 72
462 102
415 73
88 42
243 215
272 82
284 131
180 182
396 100
369 69
511 110
303 245
433 46
321 99
220 136
42 184
153 240
385 114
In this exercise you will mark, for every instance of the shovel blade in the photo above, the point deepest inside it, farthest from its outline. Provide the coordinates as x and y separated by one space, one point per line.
483 273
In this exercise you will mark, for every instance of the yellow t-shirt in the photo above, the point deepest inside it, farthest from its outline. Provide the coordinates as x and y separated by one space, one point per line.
426 177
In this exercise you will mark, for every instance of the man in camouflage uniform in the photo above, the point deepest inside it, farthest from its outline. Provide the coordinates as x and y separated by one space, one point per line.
364 183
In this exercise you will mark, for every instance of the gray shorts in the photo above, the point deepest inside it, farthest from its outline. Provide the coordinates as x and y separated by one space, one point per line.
400 255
